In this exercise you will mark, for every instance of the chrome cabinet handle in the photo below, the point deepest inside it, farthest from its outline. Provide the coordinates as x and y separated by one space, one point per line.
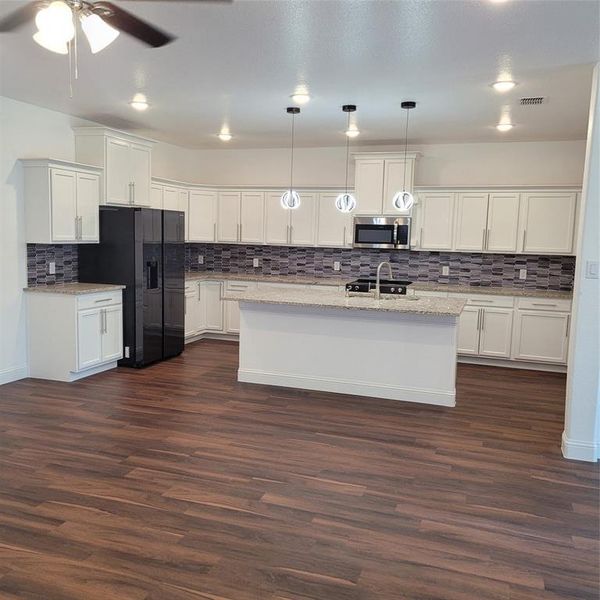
214 232
102 300
487 239
291 234
568 326
240 238
482 319
133 194
420 244
478 318
76 228
344 242
542 304
524 238
483 241
198 291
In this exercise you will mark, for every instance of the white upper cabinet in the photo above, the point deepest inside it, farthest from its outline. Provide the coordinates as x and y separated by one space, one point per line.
334 227
378 176
547 222
61 202
471 221
202 216
436 218
277 220
126 159
303 225
156 196
252 218
170 198
502 222
228 222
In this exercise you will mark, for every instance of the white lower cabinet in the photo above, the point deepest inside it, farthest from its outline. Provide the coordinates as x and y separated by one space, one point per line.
84 335
541 336
193 314
203 307
232 309
495 332
468 331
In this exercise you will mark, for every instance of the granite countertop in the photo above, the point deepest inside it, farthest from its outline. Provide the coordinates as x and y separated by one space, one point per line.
342 280
75 289
321 298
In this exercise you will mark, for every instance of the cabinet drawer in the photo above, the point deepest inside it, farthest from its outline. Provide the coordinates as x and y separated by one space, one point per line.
560 304
232 287
426 293
100 300
280 286
485 300
191 286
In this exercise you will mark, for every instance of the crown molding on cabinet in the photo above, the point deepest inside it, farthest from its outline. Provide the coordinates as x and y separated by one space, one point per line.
108 131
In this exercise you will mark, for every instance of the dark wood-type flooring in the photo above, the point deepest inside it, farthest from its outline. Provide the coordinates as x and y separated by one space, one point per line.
178 483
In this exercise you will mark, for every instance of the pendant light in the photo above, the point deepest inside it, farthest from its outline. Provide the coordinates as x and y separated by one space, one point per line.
404 200
290 200
346 202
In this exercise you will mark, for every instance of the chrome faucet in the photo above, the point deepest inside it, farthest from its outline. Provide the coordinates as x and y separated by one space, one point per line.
377 282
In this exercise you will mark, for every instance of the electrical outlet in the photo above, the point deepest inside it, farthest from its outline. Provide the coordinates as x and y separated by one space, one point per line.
126 351
591 269
200 259
256 262
52 268
337 266
522 273
445 270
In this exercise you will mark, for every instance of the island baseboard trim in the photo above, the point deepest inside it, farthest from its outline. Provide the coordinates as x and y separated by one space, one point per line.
355 388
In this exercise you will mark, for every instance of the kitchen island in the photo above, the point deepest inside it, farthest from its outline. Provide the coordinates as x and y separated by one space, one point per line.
401 348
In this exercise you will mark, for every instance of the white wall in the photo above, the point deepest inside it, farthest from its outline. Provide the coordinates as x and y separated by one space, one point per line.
581 437
507 163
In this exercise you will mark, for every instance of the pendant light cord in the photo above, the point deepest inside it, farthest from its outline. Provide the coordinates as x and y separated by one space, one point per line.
292 155
405 149
347 152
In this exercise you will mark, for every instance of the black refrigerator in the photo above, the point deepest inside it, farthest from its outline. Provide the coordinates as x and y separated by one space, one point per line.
144 250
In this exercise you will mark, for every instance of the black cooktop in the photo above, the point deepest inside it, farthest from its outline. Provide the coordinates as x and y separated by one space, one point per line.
386 286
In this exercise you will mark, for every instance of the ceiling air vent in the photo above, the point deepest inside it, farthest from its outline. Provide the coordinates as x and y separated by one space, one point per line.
533 100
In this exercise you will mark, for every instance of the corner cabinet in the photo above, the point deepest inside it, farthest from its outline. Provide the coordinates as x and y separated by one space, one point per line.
86 332
61 202
378 176
126 160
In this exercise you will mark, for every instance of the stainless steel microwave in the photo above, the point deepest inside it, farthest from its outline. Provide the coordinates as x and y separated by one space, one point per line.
382 232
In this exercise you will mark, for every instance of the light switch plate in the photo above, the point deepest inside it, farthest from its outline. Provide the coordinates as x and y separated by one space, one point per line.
52 268
337 266
256 262
522 273
445 270
200 259
591 269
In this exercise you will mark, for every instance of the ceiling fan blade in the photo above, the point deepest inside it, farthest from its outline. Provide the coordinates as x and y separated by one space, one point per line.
19 17
127 23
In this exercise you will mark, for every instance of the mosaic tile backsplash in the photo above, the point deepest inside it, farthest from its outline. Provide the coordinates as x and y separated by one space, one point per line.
543 272
39 257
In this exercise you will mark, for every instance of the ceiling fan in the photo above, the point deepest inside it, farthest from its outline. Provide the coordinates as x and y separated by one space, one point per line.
100 21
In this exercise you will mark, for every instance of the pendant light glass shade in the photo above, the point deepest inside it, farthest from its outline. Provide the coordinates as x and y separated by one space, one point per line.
99 34
345 202
55 27
290 199
404 200
51 43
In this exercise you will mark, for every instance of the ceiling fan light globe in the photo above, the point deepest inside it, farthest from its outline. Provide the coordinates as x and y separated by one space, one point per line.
403 201
56 22
98 32
290 200
51 43
345 203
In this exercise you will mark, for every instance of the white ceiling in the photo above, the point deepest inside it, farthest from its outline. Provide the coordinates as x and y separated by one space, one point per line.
238 63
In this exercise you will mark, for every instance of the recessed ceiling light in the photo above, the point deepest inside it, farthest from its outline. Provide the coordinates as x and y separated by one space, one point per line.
224 136
139 102
352 132
300 97
504 127
503 86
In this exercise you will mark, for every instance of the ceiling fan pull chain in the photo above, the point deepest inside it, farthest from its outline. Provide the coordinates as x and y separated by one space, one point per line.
76 55
70 70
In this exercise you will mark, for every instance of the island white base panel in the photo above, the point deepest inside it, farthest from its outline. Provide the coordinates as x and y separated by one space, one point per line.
380 354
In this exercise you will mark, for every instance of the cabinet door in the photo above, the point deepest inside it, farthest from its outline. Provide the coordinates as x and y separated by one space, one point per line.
368 186
541 336
112 336
64 205
436 213
88 206
193 314
333 227
210 294
277 220
548 221
117 172
468 331
471 221
502 222
156 196
140 169
252 217
302 221
393 182
202 216
89 338
170 198
228 223
496 332
232 316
